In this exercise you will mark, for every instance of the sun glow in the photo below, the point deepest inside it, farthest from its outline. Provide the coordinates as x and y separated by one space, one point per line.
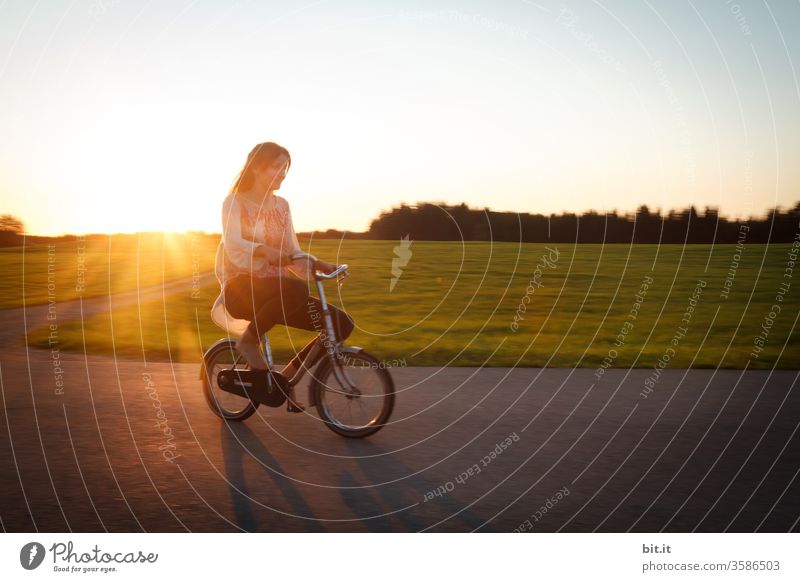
148 134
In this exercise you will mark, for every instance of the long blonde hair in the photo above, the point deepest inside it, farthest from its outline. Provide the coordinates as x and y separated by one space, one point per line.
261 155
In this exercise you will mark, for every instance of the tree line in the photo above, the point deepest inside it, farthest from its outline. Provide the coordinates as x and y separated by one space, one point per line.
441 222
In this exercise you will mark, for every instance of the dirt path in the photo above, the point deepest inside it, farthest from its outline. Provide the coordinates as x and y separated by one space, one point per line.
15 322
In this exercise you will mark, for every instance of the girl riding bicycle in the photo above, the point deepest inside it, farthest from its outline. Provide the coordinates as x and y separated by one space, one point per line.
254 265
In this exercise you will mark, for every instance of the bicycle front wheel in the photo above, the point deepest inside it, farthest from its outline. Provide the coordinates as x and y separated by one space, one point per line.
358 412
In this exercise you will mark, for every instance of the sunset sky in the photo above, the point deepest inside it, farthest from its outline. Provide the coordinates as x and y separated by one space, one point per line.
120 116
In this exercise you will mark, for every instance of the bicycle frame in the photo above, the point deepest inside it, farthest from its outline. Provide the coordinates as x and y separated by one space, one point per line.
335 351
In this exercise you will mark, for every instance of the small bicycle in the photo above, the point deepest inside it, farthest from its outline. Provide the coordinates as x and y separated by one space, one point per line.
352 392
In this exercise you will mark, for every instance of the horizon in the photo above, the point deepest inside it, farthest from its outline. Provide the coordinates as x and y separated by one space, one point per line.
144 115
663 213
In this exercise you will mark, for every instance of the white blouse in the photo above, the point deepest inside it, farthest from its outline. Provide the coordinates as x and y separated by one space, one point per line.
245 227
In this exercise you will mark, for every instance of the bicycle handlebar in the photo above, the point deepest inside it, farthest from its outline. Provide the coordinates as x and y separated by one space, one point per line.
339 270
318 275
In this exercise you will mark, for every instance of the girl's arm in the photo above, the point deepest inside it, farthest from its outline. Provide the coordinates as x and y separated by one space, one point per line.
303 268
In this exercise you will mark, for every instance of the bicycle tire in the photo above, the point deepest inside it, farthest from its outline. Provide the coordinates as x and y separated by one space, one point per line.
320 387
212 359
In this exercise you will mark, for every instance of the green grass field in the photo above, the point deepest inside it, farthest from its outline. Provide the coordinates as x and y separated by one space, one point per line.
93 267
454 304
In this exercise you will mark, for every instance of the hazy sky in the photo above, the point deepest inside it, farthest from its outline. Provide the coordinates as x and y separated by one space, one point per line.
122 115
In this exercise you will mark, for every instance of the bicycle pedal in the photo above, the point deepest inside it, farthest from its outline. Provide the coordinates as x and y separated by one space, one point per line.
262 386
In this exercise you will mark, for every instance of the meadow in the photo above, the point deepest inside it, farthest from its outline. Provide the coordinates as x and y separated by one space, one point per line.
100 265
476 304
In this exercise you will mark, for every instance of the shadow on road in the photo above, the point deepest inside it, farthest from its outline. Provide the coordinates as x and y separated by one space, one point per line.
378 467
239 443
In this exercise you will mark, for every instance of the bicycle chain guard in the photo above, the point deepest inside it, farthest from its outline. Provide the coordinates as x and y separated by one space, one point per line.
255 385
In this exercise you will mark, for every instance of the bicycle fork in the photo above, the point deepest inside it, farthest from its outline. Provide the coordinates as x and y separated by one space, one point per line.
334 354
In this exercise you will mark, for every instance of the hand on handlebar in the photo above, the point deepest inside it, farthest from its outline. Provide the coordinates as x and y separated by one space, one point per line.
315 268
325 267
278 259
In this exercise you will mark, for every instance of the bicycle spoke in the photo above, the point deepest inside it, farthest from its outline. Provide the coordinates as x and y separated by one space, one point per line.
229 404
367 388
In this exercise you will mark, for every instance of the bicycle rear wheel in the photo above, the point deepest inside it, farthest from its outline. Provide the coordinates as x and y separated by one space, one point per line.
359 413
226 405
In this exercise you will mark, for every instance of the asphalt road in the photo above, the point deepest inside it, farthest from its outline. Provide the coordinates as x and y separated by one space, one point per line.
706 451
